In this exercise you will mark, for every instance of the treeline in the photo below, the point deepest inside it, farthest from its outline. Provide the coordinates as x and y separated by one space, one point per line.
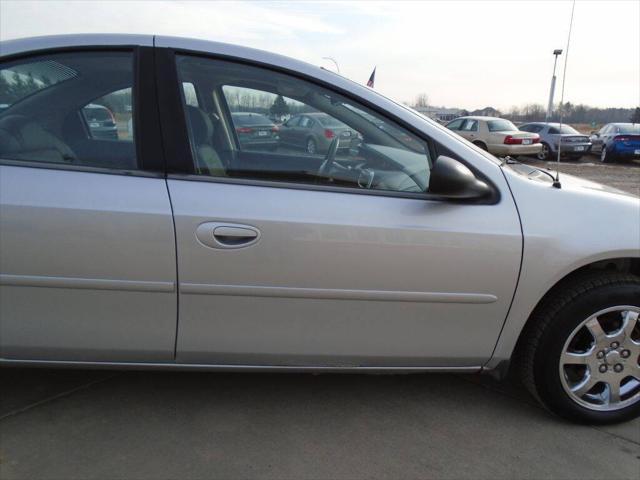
570 114
15 87
245 100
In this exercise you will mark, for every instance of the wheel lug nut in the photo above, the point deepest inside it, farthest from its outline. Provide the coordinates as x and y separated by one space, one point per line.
601 354
625 353
615 345
603 368
618 367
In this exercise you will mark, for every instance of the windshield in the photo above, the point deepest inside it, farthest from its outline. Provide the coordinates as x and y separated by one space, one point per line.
630 128
501 126
96 113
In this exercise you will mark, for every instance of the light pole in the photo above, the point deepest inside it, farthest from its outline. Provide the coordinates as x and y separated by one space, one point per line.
334 62
556 53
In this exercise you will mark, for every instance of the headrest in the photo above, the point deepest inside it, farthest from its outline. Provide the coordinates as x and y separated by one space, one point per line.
201 125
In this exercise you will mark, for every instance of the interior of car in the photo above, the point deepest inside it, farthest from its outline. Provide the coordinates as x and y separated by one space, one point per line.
388 157
44 121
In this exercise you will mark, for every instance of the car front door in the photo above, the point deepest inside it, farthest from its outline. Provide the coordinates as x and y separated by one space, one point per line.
288 260
87 254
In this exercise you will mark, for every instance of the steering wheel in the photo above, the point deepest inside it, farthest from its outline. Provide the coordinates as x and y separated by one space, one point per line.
329 159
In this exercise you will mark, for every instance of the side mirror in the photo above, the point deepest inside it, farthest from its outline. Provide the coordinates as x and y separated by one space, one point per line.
595 134
451 179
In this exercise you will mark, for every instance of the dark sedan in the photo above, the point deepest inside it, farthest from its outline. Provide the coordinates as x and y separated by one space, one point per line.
255 131
314 132
101 122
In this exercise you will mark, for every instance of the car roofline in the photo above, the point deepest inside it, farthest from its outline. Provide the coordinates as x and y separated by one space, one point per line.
224 51
80 40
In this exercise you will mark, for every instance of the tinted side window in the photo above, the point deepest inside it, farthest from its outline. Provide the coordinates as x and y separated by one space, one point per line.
337 141
456 124
110 116
470 126
42 122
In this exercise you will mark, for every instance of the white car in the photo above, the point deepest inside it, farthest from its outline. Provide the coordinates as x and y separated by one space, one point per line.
413 251
497 136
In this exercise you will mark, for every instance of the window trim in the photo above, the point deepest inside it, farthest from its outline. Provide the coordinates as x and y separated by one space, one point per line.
149 154
181 165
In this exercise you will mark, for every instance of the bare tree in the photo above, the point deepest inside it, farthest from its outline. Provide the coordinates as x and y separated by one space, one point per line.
422 100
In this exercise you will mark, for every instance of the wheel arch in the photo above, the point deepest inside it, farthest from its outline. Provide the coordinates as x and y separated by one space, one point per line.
481 144
500 367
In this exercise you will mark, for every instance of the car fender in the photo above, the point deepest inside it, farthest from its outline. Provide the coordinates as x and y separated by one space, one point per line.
563 230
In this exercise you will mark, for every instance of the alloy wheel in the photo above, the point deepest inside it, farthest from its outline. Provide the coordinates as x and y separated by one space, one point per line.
600 361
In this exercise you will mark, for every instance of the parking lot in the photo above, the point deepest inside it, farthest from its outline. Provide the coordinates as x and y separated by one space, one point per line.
68 424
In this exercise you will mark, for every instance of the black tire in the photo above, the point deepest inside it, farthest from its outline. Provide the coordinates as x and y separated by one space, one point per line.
311 147
606 156
482 145
553 322
545 153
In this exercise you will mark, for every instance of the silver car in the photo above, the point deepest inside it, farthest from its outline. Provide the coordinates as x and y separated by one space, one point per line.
572 144
314 132
418 252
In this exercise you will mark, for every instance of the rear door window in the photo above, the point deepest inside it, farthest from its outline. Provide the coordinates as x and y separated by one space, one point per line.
110 117
42 121
456 124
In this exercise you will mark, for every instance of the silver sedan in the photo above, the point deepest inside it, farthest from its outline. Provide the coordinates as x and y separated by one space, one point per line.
175 246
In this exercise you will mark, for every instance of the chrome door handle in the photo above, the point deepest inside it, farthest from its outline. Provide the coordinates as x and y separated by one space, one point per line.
226 235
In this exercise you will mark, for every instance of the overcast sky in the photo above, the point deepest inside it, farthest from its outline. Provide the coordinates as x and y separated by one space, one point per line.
468 54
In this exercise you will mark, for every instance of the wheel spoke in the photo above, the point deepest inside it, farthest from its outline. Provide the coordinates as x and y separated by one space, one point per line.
595 329
614 391
570 358
629 319
584 386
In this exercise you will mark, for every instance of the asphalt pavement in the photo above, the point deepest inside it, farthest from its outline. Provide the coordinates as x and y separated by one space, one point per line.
73 424
58 424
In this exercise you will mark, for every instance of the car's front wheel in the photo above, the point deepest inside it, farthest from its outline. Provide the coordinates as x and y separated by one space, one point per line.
581 349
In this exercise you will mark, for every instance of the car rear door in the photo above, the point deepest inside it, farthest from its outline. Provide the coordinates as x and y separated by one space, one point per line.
87 253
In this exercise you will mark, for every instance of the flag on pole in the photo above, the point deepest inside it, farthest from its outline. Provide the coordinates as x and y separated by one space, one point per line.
372 78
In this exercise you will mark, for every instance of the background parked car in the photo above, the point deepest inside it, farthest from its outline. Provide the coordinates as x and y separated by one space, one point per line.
496 135
101 122
617 141
574 144
314 132
255 131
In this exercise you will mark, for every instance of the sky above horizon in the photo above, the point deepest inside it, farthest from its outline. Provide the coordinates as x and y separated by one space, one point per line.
461 53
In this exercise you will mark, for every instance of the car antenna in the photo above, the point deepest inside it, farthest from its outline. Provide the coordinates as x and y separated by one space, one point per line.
556 182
